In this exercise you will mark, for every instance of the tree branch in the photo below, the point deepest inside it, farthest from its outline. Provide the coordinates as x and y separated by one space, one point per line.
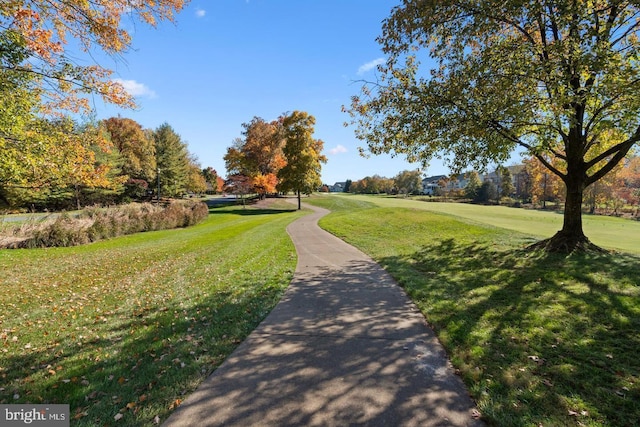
622 147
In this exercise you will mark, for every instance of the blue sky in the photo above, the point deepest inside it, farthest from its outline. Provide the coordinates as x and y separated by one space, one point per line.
225 61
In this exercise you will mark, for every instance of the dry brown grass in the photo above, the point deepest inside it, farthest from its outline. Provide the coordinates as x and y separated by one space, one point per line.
97 223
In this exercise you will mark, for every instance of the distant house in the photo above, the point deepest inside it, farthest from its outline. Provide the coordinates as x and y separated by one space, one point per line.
338 187
515 170
438 184
431 185
457 182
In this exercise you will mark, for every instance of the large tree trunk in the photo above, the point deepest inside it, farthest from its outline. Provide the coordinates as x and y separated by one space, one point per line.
571 238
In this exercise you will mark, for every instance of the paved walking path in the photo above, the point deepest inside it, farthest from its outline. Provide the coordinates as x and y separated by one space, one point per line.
344 346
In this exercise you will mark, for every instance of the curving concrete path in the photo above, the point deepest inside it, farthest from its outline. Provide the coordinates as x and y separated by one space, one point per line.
345 346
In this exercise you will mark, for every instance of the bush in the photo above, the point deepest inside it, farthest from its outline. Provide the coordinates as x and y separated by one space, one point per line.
97 223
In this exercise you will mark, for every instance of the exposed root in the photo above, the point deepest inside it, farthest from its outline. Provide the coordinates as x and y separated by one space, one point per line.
567 243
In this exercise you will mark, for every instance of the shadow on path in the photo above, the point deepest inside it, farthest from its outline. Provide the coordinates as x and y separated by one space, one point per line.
344 346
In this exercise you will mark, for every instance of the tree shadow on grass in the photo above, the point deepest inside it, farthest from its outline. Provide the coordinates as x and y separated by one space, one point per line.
254 211
537 337
251 209
141 367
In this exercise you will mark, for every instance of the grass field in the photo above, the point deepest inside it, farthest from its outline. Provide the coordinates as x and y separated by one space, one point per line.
609 232
539 339
123 329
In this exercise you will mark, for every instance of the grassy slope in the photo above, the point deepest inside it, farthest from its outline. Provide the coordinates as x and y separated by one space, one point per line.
539 339
128 326
609 232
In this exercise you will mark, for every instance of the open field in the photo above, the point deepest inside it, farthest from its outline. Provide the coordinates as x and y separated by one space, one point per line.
540 339
123 329
608 232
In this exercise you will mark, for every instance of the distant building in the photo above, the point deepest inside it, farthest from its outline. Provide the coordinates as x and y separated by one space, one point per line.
431 185
439 184
338 187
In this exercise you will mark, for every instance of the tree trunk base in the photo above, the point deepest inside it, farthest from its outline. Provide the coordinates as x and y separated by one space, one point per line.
566 243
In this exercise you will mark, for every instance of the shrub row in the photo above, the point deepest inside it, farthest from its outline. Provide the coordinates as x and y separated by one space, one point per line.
96 223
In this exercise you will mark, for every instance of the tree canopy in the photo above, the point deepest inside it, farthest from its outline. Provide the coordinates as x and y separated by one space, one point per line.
258 155
559 79
172 160
134 145
36 38
303 154
409 182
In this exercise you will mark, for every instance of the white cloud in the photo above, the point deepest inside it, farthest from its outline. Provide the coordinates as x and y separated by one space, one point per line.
338 149
200 13
370 65
136 89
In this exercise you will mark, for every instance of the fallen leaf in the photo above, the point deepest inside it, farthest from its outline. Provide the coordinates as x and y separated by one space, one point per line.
156 420
175 404
118 417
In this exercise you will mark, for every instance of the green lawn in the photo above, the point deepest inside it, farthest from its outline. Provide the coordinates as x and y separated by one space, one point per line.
124 329
539 339
609 232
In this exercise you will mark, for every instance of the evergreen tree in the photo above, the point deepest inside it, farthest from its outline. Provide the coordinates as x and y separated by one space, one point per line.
473 185
506 182
172 159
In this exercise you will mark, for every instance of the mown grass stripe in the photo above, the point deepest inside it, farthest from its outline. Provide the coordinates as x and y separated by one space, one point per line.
132 324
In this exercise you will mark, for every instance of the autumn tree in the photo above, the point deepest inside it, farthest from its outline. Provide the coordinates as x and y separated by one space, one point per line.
303 155
239 185
96 177
375 184
409 182
544 186
135 147
629 180
195 182
210 176
56 41
258 154
551 77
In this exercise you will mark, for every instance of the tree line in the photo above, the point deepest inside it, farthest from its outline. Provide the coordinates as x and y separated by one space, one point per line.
48 75
528 183
61 164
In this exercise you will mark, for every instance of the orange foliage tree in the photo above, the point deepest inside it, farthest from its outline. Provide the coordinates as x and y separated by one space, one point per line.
544 185
258 155
45 27
628 188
